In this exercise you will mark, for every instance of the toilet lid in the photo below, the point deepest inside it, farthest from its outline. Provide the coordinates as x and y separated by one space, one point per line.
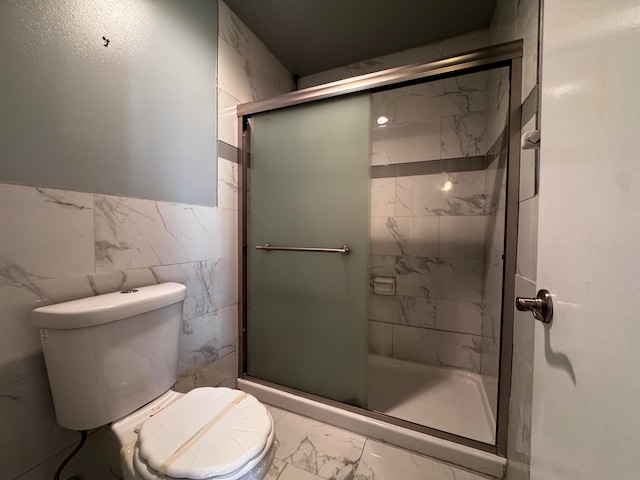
208 432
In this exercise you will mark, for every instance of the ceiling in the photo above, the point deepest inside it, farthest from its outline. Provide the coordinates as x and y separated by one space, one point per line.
311 36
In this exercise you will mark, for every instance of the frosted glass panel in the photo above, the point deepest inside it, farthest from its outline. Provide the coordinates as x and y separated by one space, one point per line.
309 187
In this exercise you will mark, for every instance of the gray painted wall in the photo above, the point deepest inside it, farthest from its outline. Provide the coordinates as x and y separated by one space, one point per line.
136 118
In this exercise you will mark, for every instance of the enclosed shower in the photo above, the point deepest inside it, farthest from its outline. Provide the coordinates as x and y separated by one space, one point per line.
378 241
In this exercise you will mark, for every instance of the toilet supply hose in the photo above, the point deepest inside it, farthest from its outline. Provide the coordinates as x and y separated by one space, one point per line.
83 439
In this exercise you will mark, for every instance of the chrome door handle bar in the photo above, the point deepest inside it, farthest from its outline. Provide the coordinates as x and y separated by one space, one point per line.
344 250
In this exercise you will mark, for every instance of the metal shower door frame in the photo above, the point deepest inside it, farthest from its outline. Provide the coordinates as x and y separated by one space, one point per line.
503 55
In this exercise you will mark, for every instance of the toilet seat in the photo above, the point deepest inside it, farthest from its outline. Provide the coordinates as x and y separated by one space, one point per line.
144 472
209 433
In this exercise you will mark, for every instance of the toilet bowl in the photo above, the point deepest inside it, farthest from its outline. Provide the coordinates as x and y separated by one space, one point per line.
112 359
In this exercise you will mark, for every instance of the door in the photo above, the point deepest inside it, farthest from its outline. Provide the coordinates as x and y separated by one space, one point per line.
586 393
309 182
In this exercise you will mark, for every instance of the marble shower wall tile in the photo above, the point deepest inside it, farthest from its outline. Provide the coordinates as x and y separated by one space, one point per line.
380 338
462 236
406 142
434 277
434 347
132 233
382 265
45 233
383 197
461 317
380 461
461 193
496 184
464 135
403 310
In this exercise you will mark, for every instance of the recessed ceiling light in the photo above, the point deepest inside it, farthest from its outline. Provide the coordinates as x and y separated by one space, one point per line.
382 120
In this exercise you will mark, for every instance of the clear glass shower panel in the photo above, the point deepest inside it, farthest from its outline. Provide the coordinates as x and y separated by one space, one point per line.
309 187
438 205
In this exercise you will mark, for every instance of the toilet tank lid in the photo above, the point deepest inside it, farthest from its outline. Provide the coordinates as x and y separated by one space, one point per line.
87 312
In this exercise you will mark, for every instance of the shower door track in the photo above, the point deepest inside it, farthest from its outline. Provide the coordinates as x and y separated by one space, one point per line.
503 55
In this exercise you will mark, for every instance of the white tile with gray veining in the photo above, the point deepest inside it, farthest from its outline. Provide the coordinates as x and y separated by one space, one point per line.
527 26
404 310
227 118
227 184
382 265
29 432
225 282
441 98
318 448
45 233
463 135
266 63
227 233
198 277
410 236
221 373
433 347
435 277
199 343
461 236
461 193
457 316
207 339
496 184
132 233
380 338
233 31
235 76
494 241
380 461
406 142
383 197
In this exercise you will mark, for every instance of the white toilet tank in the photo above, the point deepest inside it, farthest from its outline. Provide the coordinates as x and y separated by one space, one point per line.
110 354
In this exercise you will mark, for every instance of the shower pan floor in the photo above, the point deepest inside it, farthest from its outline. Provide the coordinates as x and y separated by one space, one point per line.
443 398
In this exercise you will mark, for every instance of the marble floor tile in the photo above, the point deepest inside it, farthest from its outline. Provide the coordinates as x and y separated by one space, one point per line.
384 462
294 473
276 413
318 448
276 469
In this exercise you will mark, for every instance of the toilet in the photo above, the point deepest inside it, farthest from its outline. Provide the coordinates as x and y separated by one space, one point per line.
112 359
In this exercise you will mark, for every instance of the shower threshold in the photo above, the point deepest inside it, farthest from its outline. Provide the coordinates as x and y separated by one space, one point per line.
443 398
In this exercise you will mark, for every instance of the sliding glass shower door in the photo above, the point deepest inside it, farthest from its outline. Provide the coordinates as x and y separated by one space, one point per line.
308 188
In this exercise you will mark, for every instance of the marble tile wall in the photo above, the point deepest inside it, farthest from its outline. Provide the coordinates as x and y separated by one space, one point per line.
428 231
58 246
247 71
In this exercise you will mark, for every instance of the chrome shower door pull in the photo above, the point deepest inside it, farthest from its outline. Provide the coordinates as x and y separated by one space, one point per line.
541 306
